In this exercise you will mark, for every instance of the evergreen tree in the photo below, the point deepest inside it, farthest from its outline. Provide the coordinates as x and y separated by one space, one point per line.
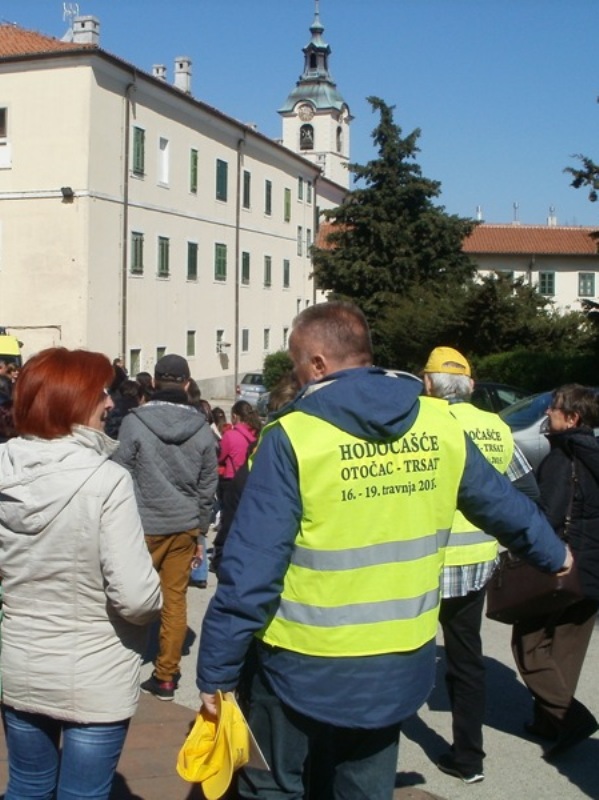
388 236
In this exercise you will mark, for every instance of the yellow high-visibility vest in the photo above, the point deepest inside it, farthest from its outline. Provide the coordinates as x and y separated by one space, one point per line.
365 570
467 543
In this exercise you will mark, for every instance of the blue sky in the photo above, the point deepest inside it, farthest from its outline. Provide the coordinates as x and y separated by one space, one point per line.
504 91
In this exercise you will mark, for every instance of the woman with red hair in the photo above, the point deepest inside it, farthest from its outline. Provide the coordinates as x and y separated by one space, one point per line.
78 583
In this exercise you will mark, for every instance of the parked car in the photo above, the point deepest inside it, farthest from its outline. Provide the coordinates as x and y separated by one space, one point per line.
251 388
490 396
528 423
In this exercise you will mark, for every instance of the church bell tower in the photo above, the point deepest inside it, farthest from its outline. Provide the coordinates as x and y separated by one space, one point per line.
316 118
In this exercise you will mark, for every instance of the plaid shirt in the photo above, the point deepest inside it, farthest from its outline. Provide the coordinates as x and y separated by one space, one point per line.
459 581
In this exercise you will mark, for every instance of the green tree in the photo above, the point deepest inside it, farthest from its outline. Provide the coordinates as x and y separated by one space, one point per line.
389 236
586 175
276 366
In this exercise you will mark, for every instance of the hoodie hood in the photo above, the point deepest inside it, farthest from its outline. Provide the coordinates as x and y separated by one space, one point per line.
579 443
39 477
172 423
367 402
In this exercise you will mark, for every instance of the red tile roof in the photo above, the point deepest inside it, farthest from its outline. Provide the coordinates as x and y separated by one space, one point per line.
531 240
15 41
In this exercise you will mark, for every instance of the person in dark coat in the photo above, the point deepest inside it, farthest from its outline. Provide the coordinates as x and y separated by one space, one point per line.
550 651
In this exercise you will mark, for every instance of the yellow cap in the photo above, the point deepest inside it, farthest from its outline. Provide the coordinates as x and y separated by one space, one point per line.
446 359
214 749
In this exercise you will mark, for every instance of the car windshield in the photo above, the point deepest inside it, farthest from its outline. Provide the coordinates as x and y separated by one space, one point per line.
526 412
253 379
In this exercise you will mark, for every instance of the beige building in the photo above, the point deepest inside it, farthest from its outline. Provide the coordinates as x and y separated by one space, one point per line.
137 220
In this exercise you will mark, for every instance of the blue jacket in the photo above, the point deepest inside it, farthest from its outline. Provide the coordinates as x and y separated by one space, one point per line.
365 692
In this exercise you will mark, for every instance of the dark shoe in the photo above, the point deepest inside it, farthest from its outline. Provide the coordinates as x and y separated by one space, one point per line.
163 690
541 731
447 765
570 738
199 584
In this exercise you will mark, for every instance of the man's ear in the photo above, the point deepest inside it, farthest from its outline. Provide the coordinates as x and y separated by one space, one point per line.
319 366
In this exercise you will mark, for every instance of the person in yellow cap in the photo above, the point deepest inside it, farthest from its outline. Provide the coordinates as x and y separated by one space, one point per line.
470 560
330 574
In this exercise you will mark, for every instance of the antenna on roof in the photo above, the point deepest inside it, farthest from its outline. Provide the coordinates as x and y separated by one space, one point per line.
69 12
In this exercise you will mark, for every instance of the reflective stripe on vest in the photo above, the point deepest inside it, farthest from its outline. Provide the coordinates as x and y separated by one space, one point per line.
364 574
467 543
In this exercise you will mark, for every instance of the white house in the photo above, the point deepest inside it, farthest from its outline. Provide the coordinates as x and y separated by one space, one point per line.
137 220
562 263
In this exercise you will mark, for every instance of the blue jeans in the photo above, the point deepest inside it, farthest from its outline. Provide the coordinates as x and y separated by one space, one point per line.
38 771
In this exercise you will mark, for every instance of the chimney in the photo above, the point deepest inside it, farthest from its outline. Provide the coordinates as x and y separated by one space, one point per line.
183 74
159 71
86 30
552 219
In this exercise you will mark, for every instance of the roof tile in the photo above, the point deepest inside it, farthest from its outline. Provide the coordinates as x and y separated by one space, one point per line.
15 41
532 240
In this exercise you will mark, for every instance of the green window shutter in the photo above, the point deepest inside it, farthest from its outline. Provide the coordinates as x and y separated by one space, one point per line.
163 256
222 169
220 262
139 151
287 205
192 261
193 171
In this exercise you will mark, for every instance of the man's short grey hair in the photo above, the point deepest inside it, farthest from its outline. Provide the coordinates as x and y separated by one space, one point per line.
450 387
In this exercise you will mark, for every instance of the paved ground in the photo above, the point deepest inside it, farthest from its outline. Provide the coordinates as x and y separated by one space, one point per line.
514 768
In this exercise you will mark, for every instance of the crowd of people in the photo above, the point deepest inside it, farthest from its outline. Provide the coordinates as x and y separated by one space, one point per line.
367 512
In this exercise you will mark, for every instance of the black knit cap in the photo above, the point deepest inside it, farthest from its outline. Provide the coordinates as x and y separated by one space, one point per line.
172 368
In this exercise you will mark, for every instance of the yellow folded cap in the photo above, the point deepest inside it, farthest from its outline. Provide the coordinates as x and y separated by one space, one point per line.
214 749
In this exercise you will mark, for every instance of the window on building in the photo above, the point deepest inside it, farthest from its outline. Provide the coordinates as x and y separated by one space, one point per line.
339 139
266 340
286 273
300 236
137 253
191 343
5 152
309 192
220 338
267 271
192 261
308 241
163 256
247 189
285 337
245 340
306 137
586 284
163 160
139 151
245 269
160 352
287 210
298 305
547 283
222 170
220 262
134 361
268 197
300 188
193 171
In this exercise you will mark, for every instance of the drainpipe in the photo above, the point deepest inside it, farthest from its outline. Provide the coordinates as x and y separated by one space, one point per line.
240 148
315 225
125 231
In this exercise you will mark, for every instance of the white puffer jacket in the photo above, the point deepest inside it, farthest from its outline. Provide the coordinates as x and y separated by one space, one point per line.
78 581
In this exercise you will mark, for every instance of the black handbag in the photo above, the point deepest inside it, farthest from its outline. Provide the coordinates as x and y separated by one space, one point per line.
518 592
